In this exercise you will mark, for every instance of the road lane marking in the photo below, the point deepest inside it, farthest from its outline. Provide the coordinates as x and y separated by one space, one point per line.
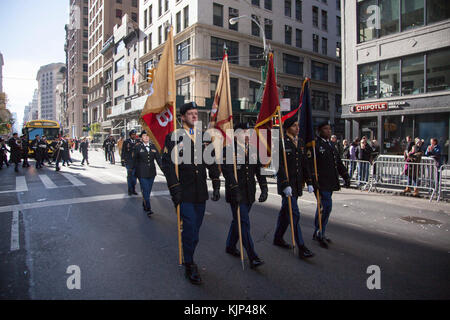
73 180
47 182
15 232
21 184
64 202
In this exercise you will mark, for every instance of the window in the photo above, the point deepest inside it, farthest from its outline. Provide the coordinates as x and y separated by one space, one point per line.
150 42
292 93
324 20
287 8
184 51
183 88
253 90
255 3
412 14
338 26
160 8
217 49
118 13
367 31
150 15
315 42
319 100
298 38
390 78
145 45
337 74
438 70
166 32
255 27
218 15
292 65
134 3
315 16
413 74
319 71
128 68
166 7
338 103
288 35
213 85
128 89
234 88
134 16
256 56
268 4
186 17
389 22
324 46
368 81
118 100
268 28
338 4
178 22
159 35
120 64
437 10
233 13
145 19
118 84
298 10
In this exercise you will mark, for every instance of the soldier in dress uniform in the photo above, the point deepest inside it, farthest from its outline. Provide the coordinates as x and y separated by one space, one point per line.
190 190
38 151
84 145
144 157
242 193
15 146
127 156
25 145
329 167
45 155
292 186
62 148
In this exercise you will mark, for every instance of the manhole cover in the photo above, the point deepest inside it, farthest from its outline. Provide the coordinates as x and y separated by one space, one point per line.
421 220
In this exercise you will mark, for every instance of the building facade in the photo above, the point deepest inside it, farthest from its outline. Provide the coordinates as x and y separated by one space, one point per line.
396 71
76 48
48 78
1 72
304 36
103 16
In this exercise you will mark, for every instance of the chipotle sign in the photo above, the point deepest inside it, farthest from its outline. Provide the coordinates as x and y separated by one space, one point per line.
369 107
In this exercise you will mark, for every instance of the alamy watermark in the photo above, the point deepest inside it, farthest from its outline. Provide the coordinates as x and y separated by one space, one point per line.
74 280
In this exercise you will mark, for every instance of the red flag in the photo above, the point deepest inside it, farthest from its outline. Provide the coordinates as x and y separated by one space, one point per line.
269 108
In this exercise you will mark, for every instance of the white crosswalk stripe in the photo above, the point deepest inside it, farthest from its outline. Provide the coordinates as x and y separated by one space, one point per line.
48 183
73 180
21 184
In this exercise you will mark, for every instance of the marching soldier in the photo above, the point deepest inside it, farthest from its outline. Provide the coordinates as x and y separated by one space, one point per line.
144 157
25 145
84 145
39 149
329 167
242 193
189 190
127 156
16 150
45 156
292 186
62 148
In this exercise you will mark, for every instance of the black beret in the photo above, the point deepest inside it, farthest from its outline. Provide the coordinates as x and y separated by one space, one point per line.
242 125
323 124
186 107
289 122
142 133
132 132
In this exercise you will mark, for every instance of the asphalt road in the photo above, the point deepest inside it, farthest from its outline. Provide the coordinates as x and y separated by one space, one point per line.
82 217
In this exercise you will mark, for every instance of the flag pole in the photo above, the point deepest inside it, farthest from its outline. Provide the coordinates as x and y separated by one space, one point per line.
225 49
287 177
317 191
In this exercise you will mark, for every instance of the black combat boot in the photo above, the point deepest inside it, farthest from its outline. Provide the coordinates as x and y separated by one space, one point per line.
191 272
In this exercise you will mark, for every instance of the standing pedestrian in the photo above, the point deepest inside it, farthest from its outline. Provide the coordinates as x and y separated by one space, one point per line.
329 167
38 151
434 151
144 157
105 147
291 186
189 189
345 149
84 146
412 169
354 155
15 147
119 147
62 148
241 193
364 153
127 156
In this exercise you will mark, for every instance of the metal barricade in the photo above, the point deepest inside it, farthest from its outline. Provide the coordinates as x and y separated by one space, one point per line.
444 182
396 174
395 159
360 172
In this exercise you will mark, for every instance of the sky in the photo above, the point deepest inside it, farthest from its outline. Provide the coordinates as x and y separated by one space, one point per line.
31 35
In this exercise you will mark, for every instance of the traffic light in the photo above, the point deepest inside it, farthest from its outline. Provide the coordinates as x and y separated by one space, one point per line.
150 75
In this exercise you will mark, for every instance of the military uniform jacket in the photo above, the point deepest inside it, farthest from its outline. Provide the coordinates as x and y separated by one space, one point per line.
329 166
144 161
246 173
25 145
192 176
16 150
127 150
62 150
298 168
84 148
3 151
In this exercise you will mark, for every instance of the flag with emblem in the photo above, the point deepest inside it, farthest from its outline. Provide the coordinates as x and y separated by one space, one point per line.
157 117
221 112
269 109
305 120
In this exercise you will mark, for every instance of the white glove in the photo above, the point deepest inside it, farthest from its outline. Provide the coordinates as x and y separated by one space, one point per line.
288 191
310 189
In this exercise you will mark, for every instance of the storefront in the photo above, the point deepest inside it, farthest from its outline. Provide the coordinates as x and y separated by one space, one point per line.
391 121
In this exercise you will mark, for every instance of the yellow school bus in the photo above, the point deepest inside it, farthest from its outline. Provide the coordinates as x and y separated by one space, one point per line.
50 129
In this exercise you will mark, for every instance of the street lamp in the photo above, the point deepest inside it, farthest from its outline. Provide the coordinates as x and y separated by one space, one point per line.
236 19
